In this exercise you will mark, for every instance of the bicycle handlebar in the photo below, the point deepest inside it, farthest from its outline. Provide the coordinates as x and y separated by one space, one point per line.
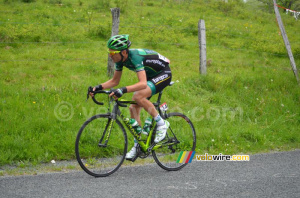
90 90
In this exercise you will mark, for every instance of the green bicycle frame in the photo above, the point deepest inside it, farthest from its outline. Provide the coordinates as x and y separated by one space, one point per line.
144 146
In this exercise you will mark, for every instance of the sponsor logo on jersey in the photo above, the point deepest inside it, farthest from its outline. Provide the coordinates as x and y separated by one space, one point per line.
150 51
161 57
155 80
157 62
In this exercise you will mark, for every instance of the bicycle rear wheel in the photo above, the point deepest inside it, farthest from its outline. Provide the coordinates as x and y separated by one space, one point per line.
182 131
102 159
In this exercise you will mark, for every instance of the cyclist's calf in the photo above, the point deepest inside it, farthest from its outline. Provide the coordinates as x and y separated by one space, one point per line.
135 112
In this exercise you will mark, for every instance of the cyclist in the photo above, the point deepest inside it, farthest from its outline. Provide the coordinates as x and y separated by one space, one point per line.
153 73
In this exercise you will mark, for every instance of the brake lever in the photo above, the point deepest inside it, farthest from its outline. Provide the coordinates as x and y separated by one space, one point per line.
90 89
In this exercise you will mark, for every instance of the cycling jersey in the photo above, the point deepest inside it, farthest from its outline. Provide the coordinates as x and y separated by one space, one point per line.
143 59
155 65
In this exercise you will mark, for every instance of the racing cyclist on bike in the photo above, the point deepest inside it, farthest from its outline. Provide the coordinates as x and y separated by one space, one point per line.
153 73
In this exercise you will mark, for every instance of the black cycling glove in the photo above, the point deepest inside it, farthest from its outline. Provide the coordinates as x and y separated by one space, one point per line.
119 92
98 88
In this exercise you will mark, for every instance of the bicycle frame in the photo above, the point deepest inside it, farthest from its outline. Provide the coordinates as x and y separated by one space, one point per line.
145 147
117 113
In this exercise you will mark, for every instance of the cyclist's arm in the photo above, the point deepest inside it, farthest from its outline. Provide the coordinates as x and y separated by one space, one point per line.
114 81
142 84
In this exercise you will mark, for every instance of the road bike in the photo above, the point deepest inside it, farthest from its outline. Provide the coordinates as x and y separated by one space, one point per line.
101 143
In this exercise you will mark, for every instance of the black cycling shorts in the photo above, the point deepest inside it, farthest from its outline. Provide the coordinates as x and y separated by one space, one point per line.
160 81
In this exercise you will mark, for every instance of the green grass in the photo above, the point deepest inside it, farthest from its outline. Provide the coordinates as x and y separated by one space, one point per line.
51 51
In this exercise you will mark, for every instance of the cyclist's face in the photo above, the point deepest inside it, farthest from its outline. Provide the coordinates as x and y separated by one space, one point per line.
116 57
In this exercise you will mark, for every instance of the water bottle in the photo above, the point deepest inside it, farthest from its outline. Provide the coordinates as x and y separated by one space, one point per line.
135 125
146 128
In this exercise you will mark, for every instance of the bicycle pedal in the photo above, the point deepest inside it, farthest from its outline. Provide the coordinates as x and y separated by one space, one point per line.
134 158
138 151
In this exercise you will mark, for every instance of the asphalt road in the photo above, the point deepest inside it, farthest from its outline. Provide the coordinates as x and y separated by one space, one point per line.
265 175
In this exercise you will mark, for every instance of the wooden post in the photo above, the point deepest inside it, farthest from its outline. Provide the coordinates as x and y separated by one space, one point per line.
286 41
202 46
115 12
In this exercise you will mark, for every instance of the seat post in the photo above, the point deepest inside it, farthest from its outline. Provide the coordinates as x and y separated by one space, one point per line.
160 94
159 98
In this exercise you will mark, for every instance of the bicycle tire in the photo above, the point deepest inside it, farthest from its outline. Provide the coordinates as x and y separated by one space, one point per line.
100 161
184 131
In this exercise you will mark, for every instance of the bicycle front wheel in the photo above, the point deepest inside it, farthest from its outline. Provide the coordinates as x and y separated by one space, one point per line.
101 145
181 136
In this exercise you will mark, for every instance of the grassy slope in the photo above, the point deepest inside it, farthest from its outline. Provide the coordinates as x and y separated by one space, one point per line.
248 102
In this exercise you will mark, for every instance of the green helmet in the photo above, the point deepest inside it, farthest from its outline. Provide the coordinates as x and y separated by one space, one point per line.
119 42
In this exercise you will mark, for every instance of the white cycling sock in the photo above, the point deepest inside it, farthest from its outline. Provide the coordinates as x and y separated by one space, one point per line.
159 120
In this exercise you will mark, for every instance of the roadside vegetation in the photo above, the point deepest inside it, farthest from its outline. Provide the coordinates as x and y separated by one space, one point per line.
52 50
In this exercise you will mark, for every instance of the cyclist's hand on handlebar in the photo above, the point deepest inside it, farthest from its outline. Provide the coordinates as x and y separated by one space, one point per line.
92 94
118 93
96 88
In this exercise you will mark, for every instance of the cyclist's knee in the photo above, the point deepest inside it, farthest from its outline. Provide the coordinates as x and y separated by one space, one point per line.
136 97
142 94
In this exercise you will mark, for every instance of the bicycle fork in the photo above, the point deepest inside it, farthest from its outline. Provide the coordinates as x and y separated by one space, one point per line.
107 130
108 127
